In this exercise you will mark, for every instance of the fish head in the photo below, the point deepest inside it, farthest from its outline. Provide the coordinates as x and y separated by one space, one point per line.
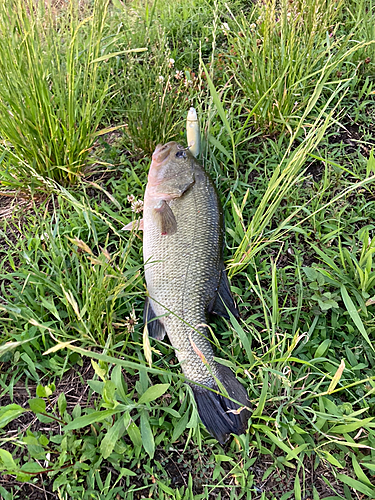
171 170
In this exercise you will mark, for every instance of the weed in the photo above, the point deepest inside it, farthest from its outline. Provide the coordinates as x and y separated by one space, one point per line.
282 54
51 101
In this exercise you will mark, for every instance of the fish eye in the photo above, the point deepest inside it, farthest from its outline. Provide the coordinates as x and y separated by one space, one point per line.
181 154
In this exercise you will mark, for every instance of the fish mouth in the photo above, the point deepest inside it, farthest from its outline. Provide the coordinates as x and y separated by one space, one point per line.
161 153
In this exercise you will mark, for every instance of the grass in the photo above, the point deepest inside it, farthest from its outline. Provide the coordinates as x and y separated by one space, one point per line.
52 95
83 414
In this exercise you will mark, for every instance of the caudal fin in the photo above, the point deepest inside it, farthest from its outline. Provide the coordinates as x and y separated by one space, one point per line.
218 413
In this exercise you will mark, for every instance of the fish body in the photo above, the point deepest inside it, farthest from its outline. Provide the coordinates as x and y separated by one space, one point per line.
185 276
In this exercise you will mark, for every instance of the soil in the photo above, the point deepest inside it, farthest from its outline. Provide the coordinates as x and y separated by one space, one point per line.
179 465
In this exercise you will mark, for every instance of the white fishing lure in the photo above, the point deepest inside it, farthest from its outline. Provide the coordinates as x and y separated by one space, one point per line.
192 132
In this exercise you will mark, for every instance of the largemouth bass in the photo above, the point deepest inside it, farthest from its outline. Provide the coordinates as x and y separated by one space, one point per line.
186 279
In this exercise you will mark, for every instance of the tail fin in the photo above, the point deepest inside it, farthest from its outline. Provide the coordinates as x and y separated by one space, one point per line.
216 411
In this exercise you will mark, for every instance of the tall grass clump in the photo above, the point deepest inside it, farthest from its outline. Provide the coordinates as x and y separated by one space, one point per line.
359 16
51 98
279 52
152 90
155 104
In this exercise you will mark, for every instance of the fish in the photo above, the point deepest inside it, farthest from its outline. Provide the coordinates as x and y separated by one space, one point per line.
186 280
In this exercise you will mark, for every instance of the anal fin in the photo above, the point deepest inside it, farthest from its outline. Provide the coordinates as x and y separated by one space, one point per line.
223 299
155 327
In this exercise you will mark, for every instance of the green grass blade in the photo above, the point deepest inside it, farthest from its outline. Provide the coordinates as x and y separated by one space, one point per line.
350 307
221 111
263 396
357 485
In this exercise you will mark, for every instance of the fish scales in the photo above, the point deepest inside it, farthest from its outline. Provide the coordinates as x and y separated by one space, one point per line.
185 277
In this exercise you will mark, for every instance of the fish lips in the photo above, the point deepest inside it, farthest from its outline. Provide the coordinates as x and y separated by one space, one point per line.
161 154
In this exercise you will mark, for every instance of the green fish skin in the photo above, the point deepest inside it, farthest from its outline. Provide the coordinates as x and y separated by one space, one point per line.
185 276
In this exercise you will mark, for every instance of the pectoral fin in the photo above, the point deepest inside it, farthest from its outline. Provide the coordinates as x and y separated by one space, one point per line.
155 327
135 225
223 299
164 218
